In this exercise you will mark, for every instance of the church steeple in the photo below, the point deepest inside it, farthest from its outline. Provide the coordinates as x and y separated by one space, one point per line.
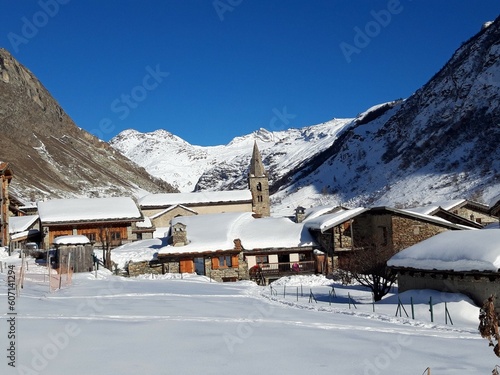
256 166
259 184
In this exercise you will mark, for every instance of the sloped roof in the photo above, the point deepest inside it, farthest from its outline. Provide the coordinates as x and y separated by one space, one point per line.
214 232
325 222
21 223
88 209
202 197
474 250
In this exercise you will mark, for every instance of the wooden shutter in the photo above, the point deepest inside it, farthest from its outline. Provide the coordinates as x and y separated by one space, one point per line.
234 261
215 263
187 266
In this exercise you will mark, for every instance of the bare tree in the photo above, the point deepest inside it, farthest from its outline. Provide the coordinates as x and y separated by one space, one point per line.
105 239
368 267
488 324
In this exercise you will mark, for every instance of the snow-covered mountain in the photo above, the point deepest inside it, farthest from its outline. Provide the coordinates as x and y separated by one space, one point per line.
441 143
190 167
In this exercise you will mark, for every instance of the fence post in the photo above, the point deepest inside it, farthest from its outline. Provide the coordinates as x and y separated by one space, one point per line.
284 291
430 309
412 309
297 294
447 314
373 301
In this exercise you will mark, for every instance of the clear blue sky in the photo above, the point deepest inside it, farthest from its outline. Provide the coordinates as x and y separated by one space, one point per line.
209 70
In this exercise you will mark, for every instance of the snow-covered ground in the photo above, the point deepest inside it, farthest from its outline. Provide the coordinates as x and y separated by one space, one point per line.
167 325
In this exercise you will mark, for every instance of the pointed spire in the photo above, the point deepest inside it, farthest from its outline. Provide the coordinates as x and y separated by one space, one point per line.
256 166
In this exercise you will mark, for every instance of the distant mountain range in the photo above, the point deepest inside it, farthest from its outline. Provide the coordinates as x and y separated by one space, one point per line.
51 157
441 143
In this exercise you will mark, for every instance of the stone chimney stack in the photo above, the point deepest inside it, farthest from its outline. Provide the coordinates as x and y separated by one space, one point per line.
300 214
179 234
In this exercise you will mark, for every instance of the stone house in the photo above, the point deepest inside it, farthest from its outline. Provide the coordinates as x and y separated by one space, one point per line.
343 233
460 211
456 262
226 246
102 220
6 175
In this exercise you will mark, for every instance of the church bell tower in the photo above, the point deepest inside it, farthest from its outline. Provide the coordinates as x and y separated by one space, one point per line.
258 184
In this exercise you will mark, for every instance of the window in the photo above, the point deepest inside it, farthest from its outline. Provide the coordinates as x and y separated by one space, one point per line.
259 198
225 261
262 259
115 236
259 186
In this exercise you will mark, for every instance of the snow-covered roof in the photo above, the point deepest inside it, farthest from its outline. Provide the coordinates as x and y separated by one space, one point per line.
471 250
163 212
325 222
214 232
88 209
21 223
431 208
71 240
144 224
202 197
314 212
24 234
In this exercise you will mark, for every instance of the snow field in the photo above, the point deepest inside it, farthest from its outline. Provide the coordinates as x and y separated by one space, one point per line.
165 325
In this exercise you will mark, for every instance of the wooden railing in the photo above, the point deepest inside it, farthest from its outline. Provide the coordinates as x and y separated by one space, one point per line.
286 268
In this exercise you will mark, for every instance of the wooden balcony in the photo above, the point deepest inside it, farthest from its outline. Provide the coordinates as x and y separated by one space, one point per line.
273 271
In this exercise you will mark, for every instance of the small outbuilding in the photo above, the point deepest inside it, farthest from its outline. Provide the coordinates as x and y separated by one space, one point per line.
465 262
74 253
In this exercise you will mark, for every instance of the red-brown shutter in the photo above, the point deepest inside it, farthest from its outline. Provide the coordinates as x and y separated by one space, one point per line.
215 263
234 261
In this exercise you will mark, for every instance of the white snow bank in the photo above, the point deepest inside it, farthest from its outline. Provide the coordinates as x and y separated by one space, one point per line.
453 250
304 280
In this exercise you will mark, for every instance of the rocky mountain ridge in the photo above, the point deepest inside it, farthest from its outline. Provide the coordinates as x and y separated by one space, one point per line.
51 157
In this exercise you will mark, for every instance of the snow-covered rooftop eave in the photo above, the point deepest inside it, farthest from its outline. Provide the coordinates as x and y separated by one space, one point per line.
92 221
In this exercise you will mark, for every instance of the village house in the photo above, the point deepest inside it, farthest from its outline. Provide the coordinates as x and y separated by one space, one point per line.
104 221
343 233
227 246
162 208
23 230
460 211
465 262
5 179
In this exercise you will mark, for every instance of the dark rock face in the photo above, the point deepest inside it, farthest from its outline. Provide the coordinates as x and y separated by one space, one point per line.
52 157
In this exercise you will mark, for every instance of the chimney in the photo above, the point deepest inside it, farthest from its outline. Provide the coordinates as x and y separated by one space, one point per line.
300 214
179 234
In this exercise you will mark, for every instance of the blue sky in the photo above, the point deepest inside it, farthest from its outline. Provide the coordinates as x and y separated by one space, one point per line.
209 70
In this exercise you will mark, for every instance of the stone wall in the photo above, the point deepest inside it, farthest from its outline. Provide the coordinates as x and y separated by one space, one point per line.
478 287
228 274
146 268
407 232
